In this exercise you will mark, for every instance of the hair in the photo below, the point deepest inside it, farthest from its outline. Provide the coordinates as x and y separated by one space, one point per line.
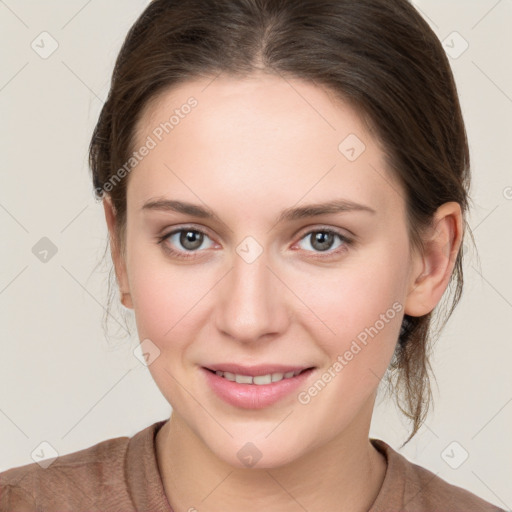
380 56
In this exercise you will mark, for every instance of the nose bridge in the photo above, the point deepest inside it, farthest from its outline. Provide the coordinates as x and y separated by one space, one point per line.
251 305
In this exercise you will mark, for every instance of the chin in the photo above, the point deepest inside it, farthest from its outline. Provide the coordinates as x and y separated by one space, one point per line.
261 451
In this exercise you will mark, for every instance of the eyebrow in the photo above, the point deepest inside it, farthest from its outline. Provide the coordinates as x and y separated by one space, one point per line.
289 214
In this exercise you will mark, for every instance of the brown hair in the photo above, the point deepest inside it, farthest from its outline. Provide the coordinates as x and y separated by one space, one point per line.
379 55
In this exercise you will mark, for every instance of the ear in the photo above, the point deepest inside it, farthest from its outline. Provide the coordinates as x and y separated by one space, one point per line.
117 256
431 271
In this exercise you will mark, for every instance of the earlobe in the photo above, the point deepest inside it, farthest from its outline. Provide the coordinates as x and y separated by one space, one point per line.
117 257
126 300
432 269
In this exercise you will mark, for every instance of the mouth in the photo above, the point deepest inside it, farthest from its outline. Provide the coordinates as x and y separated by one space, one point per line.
256 387
259 380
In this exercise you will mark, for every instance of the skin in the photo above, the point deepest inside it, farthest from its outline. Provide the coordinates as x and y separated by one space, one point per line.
251 148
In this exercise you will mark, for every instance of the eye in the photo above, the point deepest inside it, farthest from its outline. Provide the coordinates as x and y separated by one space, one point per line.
322 241
188 240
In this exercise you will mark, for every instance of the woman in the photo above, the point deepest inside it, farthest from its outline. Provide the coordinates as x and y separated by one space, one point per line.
285 185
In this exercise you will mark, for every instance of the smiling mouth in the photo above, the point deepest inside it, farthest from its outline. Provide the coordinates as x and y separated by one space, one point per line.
258 380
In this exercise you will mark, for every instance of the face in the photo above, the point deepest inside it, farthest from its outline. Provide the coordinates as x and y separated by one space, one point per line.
249 276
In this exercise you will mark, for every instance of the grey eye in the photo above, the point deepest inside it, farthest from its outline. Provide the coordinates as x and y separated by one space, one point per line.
322 240
188 239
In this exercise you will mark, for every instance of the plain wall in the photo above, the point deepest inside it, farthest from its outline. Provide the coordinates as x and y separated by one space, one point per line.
63 382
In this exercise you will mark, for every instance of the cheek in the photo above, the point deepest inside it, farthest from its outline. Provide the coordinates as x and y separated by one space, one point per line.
357 311
364 307
162 294
172 302
164 302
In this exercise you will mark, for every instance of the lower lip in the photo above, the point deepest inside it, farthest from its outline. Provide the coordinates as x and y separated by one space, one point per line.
254 396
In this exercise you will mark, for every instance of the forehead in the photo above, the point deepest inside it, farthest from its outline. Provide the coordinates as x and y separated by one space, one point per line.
264 136
258 104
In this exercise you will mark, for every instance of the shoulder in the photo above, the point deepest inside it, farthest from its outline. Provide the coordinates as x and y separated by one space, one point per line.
420 490
434 493
72 478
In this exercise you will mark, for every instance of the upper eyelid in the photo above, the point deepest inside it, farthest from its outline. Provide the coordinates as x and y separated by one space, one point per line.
310 230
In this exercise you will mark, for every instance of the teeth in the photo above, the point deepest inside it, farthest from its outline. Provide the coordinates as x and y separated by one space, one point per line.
243 379
259 379
262 379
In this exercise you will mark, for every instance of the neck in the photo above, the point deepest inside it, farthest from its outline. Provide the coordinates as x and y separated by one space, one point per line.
345 473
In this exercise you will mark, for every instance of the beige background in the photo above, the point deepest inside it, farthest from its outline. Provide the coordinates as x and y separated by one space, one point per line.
62 382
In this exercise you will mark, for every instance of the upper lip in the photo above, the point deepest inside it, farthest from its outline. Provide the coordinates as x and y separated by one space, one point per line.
255 370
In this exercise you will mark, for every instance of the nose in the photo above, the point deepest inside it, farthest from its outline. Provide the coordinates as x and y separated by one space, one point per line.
252 301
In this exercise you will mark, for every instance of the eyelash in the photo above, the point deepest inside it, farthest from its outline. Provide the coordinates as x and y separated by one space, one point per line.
347 242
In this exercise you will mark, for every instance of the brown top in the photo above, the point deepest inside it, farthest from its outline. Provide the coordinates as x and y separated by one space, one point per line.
122 475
